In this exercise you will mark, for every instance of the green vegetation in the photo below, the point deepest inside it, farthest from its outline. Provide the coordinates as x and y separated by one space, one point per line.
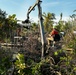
27 59
7 25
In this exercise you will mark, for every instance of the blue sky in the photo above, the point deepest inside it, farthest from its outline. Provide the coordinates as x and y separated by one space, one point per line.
20 7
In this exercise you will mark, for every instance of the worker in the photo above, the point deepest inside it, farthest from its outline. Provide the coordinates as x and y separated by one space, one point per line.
54 35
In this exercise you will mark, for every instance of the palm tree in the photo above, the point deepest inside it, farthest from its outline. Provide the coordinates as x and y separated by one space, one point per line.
61 24
48 21
74 11
2 21
61 15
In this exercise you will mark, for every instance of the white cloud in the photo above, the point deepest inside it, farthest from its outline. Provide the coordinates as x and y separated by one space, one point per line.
64 18
34 19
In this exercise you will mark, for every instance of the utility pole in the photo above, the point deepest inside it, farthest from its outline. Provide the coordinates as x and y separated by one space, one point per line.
38 2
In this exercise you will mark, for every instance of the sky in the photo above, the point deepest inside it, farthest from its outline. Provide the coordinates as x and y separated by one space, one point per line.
20 8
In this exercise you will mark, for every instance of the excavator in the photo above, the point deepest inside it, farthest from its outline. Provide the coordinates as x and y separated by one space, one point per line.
31 8
44 51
